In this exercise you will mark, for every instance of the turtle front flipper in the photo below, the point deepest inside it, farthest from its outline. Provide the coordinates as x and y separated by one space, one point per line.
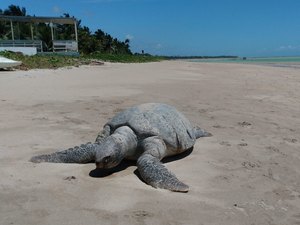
80 154
153 171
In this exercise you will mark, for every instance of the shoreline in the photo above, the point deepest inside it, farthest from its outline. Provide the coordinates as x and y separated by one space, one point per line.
280 61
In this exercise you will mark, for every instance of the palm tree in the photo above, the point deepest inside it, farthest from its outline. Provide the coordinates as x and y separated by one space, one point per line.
14 10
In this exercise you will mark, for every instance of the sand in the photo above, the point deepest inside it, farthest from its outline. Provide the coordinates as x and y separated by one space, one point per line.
247 173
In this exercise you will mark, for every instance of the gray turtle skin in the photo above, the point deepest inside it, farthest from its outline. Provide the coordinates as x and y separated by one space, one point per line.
146 133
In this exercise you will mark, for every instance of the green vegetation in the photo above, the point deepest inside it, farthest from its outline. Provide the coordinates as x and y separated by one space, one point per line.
45 61
125 58
93 46
54 61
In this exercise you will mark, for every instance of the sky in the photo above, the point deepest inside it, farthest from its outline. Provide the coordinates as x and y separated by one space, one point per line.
187 27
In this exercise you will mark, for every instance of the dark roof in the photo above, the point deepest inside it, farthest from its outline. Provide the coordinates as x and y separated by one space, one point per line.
38 19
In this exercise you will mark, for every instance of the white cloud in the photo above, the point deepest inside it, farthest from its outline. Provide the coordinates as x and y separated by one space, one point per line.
56 9
129 36
158 46
288 47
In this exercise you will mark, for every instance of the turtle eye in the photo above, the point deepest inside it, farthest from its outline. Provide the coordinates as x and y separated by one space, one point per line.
106 159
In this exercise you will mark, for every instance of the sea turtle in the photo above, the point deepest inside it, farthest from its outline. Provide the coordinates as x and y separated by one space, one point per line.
146 133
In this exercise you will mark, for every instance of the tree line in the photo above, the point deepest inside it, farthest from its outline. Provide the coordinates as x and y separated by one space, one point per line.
88 41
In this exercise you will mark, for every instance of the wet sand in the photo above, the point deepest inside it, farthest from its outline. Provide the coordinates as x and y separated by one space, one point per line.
248 172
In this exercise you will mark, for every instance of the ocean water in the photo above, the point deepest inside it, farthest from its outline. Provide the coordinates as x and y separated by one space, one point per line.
254 60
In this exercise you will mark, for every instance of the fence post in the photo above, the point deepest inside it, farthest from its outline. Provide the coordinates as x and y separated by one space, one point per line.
12 30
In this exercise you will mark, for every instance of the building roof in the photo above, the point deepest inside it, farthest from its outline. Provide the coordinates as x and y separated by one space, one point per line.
38 19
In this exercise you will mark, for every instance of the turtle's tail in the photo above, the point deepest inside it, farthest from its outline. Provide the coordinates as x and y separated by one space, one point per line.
201 133
79 154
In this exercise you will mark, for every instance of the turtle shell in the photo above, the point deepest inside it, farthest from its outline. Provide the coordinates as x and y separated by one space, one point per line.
156 119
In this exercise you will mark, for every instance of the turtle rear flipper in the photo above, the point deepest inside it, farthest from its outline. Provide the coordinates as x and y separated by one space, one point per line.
153 171
80 154
201 133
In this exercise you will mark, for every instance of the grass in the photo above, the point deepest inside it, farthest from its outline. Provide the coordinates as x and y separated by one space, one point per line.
125 58
56 61
44 61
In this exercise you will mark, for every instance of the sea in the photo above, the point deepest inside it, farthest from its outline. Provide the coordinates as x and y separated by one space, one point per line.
275 61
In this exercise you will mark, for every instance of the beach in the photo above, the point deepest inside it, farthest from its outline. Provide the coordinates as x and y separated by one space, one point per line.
248 172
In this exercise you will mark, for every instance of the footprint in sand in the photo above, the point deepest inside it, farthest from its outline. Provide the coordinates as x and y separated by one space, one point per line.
141 215
218 126
243 144
276 150
69 178
250 165
244 124
290 140
225 143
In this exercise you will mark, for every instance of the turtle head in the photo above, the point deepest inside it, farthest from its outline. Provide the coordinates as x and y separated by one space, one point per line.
115 147
109 154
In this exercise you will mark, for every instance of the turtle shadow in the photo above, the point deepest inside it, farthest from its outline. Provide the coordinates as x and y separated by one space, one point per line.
179 156
98 173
